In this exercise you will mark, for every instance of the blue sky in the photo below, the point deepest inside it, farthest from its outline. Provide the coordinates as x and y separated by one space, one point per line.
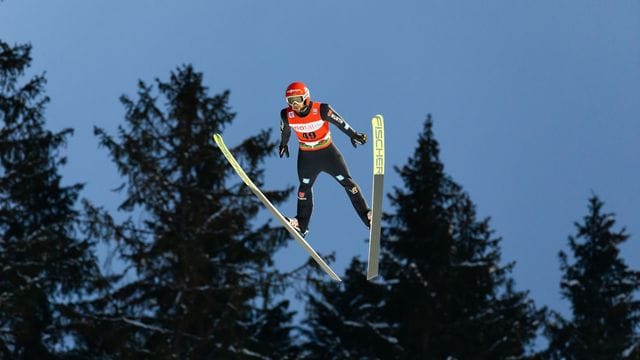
536 103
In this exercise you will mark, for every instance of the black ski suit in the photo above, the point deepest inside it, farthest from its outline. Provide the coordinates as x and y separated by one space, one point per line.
323 156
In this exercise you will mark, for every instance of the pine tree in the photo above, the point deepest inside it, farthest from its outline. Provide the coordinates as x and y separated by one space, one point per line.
600 287
443 292
348 320
45 266
204 282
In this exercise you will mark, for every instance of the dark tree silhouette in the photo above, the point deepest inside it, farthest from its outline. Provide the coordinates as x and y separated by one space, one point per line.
600 287
443 292
44 265
204 285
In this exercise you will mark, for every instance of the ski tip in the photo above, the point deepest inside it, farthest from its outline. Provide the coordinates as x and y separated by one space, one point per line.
377 121
218 139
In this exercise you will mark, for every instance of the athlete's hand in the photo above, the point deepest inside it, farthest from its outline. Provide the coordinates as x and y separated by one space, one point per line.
358 139
283 150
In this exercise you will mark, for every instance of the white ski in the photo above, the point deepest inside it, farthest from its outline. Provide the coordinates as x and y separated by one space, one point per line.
377 124
296 235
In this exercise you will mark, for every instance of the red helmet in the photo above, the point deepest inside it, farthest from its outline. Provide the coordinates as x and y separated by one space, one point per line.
297 92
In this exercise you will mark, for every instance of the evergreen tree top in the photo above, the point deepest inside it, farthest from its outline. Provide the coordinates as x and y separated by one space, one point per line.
601 288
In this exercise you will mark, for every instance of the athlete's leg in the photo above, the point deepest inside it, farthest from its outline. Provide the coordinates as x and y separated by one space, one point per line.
339 170
308 170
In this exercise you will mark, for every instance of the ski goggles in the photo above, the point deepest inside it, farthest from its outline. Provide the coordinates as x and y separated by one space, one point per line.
295 99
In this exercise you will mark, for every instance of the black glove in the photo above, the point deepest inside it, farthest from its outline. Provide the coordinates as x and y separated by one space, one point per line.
358 139
283 150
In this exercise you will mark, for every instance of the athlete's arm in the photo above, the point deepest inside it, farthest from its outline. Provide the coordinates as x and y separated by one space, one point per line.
285 134
285 130
328 114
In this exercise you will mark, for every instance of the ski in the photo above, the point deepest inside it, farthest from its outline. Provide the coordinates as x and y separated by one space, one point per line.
377 124
274 211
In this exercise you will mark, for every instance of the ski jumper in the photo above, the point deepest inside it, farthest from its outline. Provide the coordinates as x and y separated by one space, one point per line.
319 154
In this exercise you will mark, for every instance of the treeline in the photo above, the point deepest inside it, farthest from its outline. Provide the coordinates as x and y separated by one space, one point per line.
199 280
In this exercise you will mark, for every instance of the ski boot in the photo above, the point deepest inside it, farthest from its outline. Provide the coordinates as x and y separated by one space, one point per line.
366 218
294 224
